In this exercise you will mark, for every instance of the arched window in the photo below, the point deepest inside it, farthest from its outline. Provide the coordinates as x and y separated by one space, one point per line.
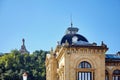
84 72
84 64
116 75
106 75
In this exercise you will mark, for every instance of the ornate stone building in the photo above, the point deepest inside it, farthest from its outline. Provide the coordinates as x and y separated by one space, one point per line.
76 59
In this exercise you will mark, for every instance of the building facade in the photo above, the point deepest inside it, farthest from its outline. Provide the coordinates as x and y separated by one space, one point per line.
76 59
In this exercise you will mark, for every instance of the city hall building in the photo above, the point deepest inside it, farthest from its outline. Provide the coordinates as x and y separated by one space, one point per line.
76 59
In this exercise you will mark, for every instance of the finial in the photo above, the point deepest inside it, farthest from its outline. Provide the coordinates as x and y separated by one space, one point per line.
58 43
51 49
66 43
23 40
118 53
94 44
71 21
102 44
23 49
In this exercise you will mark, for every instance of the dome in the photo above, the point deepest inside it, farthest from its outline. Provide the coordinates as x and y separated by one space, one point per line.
73 38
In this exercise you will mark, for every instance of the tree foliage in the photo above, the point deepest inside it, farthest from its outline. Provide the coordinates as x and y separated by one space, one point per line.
13 64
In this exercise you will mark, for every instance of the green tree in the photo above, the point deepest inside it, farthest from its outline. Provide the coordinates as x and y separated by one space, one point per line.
13 64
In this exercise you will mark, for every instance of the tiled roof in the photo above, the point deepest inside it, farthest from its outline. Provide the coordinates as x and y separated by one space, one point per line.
112 57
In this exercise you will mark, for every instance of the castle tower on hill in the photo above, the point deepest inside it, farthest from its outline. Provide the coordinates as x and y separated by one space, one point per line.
75 58
23 49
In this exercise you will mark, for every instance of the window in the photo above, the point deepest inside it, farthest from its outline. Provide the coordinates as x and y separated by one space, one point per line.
84 64
84 73
85 76
116 75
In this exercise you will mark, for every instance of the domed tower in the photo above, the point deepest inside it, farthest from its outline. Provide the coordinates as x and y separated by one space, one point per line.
73 38
75 58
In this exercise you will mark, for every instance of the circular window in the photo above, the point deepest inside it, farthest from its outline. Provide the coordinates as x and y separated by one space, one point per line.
74 39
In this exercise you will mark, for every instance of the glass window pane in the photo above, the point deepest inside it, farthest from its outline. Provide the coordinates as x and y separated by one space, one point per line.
84 64
85 76
116 77
79 76
88 76
106 78
116 72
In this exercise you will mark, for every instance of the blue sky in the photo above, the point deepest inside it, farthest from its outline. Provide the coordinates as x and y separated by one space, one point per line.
43 22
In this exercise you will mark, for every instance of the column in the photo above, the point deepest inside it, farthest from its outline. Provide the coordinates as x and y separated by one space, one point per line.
110 76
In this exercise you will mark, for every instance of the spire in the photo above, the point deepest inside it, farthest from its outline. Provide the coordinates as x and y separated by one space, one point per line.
71 21
23 48
23 40
71 29
71 24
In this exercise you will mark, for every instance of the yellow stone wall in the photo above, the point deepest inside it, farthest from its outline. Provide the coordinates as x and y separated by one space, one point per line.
64 64
111 69
95 57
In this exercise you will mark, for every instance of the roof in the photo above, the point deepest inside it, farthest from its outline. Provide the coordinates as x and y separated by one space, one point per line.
71 38
113 57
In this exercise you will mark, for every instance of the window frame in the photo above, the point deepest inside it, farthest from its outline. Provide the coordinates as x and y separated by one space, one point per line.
115 75
85 67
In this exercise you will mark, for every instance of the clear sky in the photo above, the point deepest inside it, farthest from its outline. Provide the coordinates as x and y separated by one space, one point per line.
43 22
